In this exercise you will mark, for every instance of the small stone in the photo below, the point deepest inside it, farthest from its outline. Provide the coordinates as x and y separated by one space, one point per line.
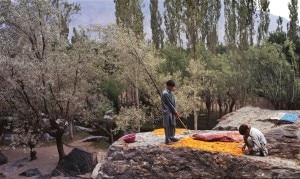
31 172
96 170
3 159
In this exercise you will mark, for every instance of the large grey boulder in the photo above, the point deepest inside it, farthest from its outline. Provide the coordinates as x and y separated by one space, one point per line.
3 159
148 158
262 119
77 162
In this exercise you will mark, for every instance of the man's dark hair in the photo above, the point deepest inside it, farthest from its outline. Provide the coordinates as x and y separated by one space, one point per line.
170 83
243 129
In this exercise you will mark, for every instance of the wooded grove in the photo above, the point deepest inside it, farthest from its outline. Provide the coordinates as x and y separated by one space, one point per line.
49 82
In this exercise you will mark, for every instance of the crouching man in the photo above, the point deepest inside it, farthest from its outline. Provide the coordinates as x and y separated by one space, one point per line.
254 140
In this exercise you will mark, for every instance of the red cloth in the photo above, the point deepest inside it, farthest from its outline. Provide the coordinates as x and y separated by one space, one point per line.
219 136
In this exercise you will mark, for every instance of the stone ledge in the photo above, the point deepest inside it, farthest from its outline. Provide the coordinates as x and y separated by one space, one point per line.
147 158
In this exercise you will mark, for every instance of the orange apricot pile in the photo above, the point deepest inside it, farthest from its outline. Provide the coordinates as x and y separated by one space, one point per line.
224 147
161 131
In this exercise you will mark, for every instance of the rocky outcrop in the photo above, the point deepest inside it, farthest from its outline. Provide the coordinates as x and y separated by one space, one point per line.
77 162
149 158
164 162
283 147
262 119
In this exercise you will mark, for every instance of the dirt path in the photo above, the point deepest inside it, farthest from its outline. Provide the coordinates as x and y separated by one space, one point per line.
47 158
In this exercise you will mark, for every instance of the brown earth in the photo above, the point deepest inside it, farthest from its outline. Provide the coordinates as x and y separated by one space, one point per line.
47 158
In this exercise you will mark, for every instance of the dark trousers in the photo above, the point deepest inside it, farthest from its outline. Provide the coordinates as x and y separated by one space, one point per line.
169 131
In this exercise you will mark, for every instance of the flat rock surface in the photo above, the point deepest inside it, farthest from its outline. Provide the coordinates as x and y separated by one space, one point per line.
255 117
147 157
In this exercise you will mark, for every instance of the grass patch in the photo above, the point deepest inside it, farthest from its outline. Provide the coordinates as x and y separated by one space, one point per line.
66 139
48 143
101 145
77 136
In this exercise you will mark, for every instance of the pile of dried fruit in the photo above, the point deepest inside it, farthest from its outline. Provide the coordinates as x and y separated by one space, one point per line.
161 131
226 147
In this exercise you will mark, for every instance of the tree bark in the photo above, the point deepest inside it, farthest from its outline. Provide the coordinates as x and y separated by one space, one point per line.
220 107
59 144
232 103
71 129
208 106
195 120
111 136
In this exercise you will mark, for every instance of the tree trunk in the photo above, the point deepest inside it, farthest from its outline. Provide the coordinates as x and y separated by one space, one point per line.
59 144
208 106
226 108
195 120
232 103
71 128
111 136
137 100
220 108
208 117
139 126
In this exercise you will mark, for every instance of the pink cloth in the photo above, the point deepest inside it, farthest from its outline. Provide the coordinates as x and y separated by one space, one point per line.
220 136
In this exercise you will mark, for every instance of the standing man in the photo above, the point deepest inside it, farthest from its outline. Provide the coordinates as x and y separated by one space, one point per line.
170 113
254 140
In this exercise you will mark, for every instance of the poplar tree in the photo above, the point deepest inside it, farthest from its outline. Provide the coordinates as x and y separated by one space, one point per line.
193 22
230 23
130 16
250 18
172 16
293 25
213 16
279 24
197 28
264 22
293 36
156 22
243 24
202 16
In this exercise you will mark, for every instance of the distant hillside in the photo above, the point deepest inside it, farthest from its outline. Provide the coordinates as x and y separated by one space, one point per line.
103 12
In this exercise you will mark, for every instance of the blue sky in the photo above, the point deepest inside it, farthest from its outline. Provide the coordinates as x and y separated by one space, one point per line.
277 7
102 12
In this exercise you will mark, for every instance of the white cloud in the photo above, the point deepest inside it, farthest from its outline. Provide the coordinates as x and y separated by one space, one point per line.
280 8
